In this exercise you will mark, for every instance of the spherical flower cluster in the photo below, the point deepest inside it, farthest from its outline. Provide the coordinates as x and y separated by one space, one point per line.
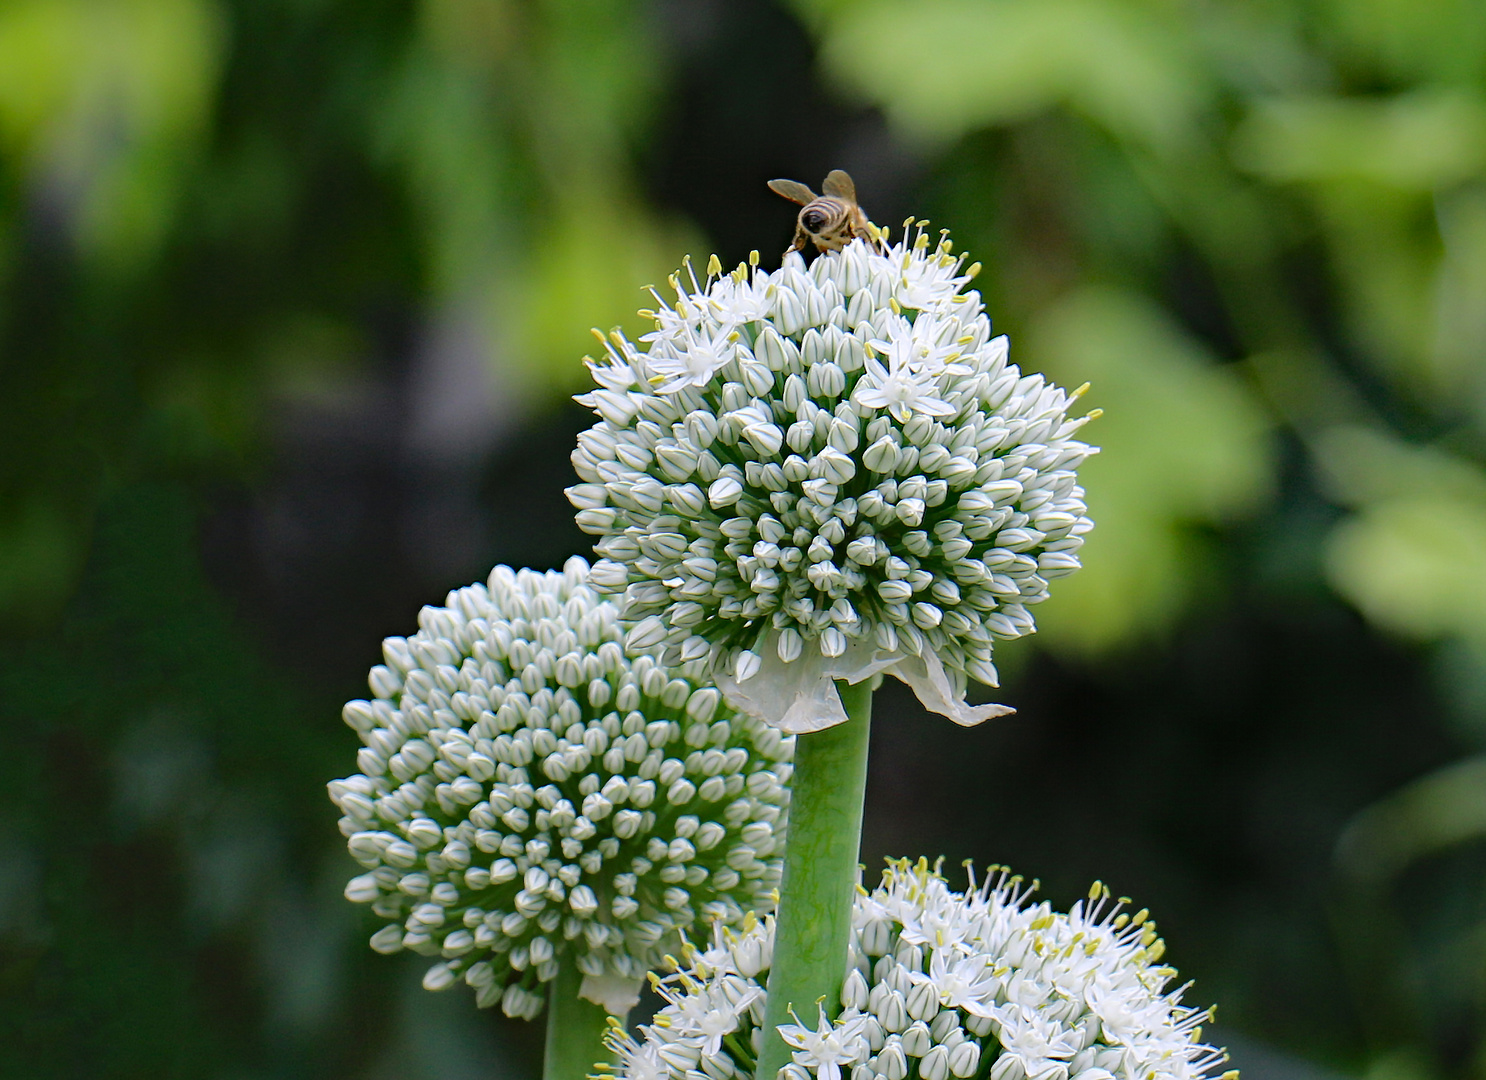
941 984
826 473
527 790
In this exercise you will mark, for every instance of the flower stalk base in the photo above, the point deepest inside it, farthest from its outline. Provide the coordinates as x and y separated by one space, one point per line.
820 872
575 1029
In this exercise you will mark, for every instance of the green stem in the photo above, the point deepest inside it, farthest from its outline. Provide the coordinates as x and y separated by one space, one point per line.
575 1028
821 856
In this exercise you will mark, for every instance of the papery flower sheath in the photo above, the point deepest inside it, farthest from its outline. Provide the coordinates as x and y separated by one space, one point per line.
527 790
941 984
829 472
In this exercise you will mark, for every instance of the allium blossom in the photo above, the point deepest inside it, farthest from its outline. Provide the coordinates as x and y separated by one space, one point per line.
822 1051
690 361
1025 994
825 473
901 390
527 790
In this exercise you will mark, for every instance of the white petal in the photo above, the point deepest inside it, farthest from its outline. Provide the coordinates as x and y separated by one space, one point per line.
930 683
616 994
801 696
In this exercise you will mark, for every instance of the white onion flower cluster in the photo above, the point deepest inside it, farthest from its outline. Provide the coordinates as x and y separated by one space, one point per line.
527 790
941 984
829 472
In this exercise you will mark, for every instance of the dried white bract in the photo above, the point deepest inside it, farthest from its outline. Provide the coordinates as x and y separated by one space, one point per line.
528 790
942 984
826 473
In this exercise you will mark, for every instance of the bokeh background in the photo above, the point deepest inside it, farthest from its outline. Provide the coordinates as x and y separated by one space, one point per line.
292 300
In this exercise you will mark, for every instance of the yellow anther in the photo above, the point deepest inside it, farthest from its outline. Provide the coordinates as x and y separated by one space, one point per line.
753 258
714 265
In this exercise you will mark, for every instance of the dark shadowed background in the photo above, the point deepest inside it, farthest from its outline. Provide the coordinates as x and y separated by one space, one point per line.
293 295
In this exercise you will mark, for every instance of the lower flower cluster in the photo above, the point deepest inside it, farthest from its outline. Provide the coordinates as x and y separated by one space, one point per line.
527 790
941 984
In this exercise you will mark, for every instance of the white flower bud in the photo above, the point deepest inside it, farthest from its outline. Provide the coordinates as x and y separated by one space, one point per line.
832 642
362 889
893 1014
935 1065
922 1001
833 465
765 438
979 1025
746 665
916 1040
387 940
724 491
646 635
893 1062
964 1059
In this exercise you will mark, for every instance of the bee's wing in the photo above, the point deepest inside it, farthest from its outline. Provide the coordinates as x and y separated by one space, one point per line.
792 190
839 185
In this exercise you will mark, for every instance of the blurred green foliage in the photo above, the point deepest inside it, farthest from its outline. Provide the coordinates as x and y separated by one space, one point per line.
1257 227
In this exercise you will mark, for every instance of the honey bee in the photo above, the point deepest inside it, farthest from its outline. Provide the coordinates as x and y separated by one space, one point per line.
830 221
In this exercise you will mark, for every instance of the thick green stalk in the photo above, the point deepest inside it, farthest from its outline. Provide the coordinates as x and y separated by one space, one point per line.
821 857
575 1028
